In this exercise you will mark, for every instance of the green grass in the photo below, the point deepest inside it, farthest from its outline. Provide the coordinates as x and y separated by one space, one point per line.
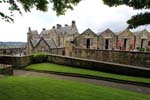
66 69
38 88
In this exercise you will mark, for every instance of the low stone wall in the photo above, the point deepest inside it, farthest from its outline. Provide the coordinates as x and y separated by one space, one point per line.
122 57
100 66
21 62
16 61
8 70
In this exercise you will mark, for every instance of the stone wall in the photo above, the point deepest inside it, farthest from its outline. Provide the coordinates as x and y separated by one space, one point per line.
21 62
100 66
17 62
122 57
7 70
58 51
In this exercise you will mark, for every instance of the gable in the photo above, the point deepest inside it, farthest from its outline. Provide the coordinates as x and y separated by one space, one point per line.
34 42
107 34
144 34
126 33
42 44
89 32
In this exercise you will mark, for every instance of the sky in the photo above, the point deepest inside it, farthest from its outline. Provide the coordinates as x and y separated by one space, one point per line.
91 14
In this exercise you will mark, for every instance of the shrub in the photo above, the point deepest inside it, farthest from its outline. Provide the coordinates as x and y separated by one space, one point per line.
39 57
140 49
148 49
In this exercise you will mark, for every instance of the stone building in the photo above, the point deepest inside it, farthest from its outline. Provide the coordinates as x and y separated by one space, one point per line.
50 39
107 40
142 39
87 40
126 39
59 37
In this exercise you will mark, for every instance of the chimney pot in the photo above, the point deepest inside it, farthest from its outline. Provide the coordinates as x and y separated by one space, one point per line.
53 27
66 25
58 26
44 29
29 29
73 22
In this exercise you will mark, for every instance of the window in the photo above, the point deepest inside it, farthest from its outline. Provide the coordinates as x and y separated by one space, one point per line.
148 43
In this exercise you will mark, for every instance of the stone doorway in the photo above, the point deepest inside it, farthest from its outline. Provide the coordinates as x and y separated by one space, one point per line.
125 44
106 44
88 43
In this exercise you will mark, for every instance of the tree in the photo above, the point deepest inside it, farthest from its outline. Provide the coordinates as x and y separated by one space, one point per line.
136 20
60 6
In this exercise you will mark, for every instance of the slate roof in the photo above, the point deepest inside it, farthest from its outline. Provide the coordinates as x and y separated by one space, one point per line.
50 42
34 42
34 31
67 30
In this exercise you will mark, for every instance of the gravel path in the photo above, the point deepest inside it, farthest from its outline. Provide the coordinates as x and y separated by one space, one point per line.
128 87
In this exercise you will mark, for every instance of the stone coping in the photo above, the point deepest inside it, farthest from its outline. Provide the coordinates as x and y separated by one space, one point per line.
109 63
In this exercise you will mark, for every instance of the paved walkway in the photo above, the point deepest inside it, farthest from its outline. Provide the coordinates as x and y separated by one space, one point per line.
128 87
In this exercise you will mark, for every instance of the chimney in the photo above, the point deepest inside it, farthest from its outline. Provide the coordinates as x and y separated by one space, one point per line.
29 29
44 29
73 23
53 27
66 24
58 26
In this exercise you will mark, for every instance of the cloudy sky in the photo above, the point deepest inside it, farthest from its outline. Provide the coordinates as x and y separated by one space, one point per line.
87 14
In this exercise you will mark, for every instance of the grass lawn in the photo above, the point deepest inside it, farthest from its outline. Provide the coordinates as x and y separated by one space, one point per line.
38 88
66 69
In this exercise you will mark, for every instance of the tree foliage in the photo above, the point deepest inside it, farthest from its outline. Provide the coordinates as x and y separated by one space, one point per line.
136 20
60 6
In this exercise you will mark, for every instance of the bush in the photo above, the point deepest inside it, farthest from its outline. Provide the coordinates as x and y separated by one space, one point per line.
140 49
148 49
39 57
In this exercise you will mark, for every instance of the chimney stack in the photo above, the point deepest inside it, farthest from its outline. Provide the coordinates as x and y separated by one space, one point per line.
44 29
73 23
29 29
58 26
66 24
53 27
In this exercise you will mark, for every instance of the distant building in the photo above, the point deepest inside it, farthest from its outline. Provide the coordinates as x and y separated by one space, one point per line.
12 48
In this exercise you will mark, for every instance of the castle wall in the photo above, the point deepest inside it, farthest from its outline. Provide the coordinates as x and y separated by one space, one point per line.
122 57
